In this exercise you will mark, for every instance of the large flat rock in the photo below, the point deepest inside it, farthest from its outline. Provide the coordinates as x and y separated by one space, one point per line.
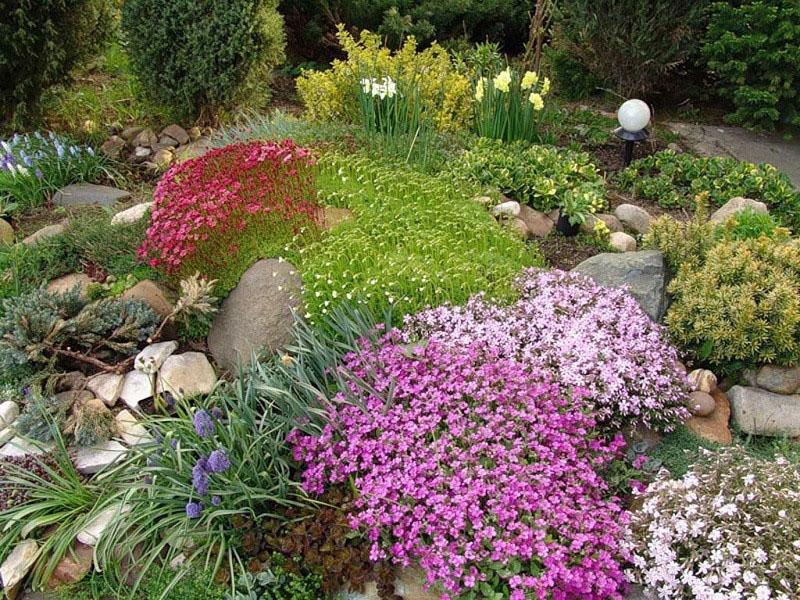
760 412
86 194
642 273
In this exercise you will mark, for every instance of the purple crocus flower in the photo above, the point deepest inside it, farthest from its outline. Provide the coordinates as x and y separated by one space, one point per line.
218 462
216 500
193 510
203 424
217 413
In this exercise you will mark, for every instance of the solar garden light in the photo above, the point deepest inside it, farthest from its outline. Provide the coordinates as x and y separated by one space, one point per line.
634 117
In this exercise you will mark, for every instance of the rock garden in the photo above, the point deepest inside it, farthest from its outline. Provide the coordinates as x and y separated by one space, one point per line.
396 317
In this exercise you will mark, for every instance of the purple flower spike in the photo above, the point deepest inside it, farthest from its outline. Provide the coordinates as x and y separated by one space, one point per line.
203 424
200 477
193 510
218 462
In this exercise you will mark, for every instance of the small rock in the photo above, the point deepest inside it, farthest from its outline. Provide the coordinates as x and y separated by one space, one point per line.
188 374
518 227
130 430
509 208
485 201
107 387
195 134
45 232
612 223
760 412
703 380
675 148
9 411
177 133
167 141
153 294
19 446
141 153
554 215
129 133
73 380
642 273
136 387
145 138
95 529
538 224
700 404
715 427
132 214
736 205
409 583
7 433
73 397
6 233
73 566
92 460
89 194
332 216
194 150
622 242
634 217
781 380
257 313
153 356
163 159
113 147
67 283
177 562
16 566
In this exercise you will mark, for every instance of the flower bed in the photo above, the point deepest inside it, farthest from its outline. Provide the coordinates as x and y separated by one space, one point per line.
218 213
585 335
730 528
478 468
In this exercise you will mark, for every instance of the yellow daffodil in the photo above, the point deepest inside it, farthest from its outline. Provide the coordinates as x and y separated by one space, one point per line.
545 86
529 80
537 101
479 90
503 80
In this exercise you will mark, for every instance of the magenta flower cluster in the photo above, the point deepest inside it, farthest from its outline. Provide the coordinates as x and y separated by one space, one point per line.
471 464
203 207
585 335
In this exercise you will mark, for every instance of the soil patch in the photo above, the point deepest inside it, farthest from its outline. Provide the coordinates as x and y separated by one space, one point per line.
567 252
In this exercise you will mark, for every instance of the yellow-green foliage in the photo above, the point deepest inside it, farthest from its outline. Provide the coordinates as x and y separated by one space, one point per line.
332 95
682 242
742 306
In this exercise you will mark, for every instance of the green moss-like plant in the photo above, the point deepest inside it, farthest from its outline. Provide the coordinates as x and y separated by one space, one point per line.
416 241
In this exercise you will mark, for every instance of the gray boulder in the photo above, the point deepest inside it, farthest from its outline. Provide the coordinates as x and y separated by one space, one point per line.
737 205
86 194
634 217
257 314
760 412
642 273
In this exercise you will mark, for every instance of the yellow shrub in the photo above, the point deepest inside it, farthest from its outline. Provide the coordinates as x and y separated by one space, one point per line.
333 94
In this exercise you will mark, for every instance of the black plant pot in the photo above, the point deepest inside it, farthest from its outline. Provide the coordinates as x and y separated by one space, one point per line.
565 228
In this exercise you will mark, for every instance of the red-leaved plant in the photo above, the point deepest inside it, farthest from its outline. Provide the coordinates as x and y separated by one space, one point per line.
217 213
